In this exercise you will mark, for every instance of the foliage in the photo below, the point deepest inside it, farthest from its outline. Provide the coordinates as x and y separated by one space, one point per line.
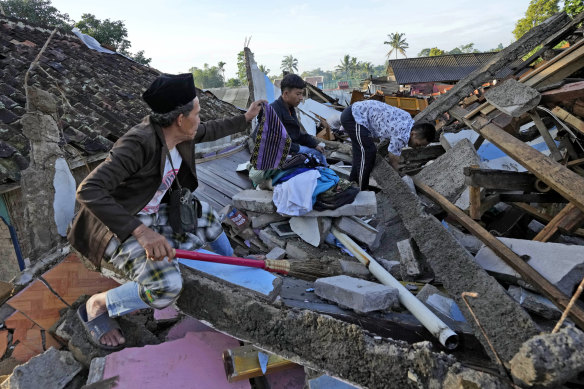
497 49
241 72
141 58
537 12
37 12
398 43
264 70
233 82
106 32
208 77
289 64
573 7
424 53
347 66
434 51
221 67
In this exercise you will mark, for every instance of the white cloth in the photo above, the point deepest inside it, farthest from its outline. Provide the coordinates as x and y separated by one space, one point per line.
294 197
386 122
167 179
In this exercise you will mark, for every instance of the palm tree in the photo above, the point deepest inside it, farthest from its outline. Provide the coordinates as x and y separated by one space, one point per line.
264 69
367 68
289 64
221 67
398 43
347 65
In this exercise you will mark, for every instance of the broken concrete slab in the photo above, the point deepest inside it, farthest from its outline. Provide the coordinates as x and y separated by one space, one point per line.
560 264
356 269
259 201
271 239
358 229
304 337
513 98
297 248
506 324
51 369
312 230
469 242
549 360
283 229
535 303
276 253
261 220
359 295
446 174
409 257
258 281
364 204
393 267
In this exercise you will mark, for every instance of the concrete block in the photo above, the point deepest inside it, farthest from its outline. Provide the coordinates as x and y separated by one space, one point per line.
255 200
409 259
271 239
513 98
261 220
431 296
364 204
51 369
283 229
560 264
357 228
549 360
469 242
360 295
312 230
446 174
535 303
393 267
276 253
354 269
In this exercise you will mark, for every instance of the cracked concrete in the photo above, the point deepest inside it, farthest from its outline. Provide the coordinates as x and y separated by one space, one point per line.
507 325
314 340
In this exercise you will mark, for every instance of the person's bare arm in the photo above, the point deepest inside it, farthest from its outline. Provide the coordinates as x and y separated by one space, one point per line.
393 160
155 245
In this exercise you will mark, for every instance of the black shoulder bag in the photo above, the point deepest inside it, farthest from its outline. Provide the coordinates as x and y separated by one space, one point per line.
183 207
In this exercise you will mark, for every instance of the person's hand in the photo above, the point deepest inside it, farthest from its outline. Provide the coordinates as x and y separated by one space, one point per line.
320 148
254 109
155 245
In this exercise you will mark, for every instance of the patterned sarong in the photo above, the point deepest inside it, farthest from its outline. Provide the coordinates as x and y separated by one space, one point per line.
272 142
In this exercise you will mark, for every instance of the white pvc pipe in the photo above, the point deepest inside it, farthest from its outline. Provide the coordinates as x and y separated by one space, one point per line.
437 327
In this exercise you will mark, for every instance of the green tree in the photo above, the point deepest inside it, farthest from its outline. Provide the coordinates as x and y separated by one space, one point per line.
106 32
497 49
241 72
424 53
398 43
221 67
208 77
573 7
233 82
37 12
537 12
347 66
366 69
434 51
264 69
289 64
140 58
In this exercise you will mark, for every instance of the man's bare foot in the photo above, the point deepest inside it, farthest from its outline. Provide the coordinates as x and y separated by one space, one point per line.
96 306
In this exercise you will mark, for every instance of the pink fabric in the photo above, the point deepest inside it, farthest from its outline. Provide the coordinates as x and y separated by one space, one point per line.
193 362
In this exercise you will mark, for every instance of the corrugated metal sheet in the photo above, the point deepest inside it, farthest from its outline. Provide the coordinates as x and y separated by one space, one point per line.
442 68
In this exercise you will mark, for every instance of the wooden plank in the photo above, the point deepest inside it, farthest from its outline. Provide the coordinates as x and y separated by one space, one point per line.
506 254
572 120
562 66
564 181
499 179
545 134
242 363
475 202
542 216
566 92
569 216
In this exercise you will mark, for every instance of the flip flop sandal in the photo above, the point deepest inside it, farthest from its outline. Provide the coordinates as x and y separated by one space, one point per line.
98 327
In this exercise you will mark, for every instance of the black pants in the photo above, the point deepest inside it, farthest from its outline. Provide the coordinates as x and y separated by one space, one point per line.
364 150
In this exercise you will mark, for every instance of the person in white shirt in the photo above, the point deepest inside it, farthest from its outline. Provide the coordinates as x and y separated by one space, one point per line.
369 119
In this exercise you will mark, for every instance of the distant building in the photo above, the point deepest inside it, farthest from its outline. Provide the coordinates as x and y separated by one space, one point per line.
317 81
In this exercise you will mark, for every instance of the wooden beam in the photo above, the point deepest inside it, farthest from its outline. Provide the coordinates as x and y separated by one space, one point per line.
500 179
531 198
242 363
543 216
545 134
558 68
568 219
572 120
475 202
566 92
506 254
564 181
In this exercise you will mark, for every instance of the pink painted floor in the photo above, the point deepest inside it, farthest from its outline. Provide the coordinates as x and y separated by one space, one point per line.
193 362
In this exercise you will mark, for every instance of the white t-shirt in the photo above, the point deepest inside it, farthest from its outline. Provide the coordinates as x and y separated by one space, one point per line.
167 179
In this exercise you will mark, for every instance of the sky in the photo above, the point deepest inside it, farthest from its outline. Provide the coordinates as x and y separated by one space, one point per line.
180 34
